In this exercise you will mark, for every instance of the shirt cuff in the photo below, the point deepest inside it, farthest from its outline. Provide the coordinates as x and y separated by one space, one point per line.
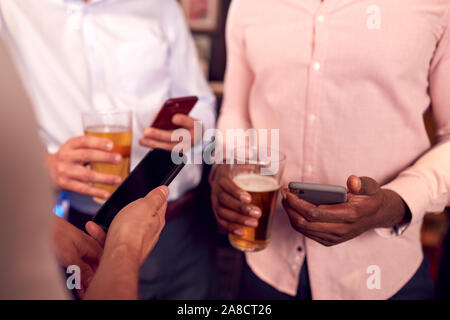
415 193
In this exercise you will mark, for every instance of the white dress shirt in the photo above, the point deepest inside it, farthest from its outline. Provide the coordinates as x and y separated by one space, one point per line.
77 57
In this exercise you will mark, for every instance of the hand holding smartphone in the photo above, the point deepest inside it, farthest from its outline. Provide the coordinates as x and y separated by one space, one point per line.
154 170
171 107
318 194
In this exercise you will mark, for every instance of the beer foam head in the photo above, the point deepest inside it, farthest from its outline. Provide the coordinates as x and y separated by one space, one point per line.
256 183
108 128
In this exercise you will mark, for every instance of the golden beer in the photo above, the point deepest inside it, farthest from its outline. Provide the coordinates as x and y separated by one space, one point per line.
121 137
264 193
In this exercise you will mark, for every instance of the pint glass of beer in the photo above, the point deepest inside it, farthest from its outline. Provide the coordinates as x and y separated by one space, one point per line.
115 126
258 172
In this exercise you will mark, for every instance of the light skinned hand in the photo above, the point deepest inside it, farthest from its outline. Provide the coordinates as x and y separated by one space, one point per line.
96 232
136 227
162 139
74 247
68 169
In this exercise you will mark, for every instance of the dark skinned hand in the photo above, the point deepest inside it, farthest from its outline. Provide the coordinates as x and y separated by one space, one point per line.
368 207
231 205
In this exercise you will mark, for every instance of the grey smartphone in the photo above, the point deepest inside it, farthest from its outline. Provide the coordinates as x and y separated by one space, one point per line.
318 194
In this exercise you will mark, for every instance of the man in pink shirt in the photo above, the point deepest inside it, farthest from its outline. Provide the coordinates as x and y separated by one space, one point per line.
347 83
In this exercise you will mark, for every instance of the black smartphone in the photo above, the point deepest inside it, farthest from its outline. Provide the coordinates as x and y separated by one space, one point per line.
318 194
154 170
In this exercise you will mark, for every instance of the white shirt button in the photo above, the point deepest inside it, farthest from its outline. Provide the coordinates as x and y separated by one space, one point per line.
297 258
311 118
308 169
316 66
320 18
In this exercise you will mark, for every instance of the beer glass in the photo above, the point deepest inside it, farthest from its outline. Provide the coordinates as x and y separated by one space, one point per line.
115 126
258 171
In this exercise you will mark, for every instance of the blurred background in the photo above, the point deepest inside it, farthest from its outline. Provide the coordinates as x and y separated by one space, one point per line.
207 18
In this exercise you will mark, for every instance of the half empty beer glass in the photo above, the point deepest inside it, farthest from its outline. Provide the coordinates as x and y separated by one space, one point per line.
115 126
258 171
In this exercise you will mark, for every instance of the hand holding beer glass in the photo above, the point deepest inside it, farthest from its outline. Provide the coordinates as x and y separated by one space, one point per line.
114 126
244 196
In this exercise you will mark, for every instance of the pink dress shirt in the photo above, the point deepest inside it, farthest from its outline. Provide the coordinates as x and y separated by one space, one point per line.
347 83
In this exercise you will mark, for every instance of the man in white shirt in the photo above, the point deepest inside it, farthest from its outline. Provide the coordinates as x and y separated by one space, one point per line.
77 56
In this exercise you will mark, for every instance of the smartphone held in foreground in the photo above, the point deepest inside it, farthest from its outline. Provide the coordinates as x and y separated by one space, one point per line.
156 169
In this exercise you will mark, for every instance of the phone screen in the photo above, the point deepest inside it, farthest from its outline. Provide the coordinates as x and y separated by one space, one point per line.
154 170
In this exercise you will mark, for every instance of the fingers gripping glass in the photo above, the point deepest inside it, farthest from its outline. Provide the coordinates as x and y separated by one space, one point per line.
114 126
259 173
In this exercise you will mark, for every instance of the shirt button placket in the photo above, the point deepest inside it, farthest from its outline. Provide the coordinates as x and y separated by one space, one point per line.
297 262
315 74
320 18
316 66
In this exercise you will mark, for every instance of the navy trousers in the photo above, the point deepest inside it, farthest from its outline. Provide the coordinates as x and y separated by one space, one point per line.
419 287
181 266
252 288
443 284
